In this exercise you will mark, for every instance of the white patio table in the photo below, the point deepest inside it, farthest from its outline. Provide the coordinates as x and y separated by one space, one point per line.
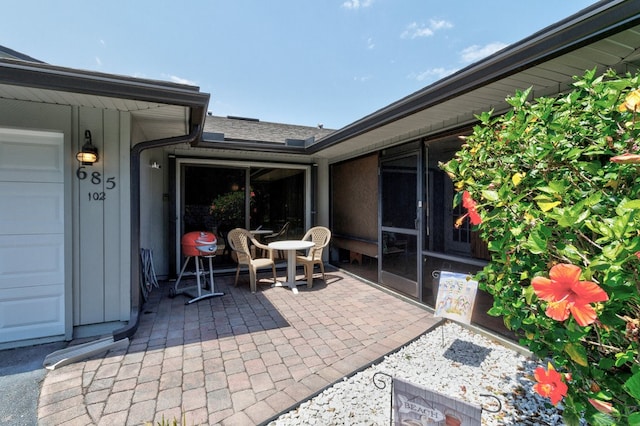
290 246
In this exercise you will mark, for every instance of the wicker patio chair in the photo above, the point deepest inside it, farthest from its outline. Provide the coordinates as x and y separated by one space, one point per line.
240 241
320 236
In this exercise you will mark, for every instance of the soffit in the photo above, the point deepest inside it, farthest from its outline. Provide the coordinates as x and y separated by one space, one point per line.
155 120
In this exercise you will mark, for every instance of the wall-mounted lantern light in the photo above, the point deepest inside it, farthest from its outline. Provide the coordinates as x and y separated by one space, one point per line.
89 153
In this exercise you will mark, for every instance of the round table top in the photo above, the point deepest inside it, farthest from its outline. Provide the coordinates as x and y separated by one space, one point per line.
291 245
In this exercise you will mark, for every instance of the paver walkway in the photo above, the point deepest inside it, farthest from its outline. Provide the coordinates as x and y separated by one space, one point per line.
238 359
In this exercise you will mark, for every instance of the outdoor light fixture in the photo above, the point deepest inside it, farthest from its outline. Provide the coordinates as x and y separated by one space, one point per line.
89 153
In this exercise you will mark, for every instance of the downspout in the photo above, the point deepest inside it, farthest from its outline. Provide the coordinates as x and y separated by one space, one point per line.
132 325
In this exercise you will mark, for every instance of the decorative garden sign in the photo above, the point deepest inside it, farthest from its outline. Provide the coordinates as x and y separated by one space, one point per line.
456 296
417 406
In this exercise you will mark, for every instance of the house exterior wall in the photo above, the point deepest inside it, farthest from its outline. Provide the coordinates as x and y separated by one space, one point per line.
96 205
323 195
101 278
154 208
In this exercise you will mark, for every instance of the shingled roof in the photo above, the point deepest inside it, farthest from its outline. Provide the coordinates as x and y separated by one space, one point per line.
241 129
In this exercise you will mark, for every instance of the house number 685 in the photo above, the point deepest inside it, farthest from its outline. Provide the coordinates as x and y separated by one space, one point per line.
96 178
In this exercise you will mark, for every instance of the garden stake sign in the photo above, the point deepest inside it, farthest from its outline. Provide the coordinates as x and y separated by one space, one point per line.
456 296
413 405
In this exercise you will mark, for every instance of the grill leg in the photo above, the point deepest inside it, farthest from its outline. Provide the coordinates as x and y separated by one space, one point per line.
202 295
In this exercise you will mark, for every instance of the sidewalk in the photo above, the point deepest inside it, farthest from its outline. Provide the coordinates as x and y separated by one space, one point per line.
238 359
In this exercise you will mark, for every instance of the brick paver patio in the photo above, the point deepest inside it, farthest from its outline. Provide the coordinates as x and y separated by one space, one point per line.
238 359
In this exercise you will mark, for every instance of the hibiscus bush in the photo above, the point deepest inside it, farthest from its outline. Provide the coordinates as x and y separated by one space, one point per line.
553 187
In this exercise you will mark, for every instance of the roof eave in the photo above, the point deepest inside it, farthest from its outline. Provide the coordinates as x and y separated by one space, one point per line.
44 76
251 146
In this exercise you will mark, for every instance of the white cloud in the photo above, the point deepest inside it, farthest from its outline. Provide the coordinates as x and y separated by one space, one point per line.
363 78
415 30
356 4
181 80
432 74
475 53
440 25
370 44
102 44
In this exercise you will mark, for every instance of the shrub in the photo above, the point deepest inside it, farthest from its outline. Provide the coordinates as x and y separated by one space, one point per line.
228 208
555 185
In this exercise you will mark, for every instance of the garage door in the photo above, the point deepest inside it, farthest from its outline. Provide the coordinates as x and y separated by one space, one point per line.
31 234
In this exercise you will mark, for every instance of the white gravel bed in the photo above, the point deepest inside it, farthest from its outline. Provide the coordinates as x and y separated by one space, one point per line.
451 360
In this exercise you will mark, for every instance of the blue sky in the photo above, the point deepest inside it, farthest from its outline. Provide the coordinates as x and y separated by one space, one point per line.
290 61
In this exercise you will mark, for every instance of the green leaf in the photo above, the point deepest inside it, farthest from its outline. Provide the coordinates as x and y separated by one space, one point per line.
594 199
547 189
571 418
495 311
555 188
623 224
630 204
490 195
577 354
601 419
606 363
528 294
632 385
571 252
634 419
611 251
536 244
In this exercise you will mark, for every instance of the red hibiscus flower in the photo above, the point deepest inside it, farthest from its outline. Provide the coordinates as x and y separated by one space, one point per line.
550 384
470 205
567 294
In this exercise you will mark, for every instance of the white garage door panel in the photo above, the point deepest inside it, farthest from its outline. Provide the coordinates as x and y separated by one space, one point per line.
30 156
31 260
28 315
31 208
32 276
